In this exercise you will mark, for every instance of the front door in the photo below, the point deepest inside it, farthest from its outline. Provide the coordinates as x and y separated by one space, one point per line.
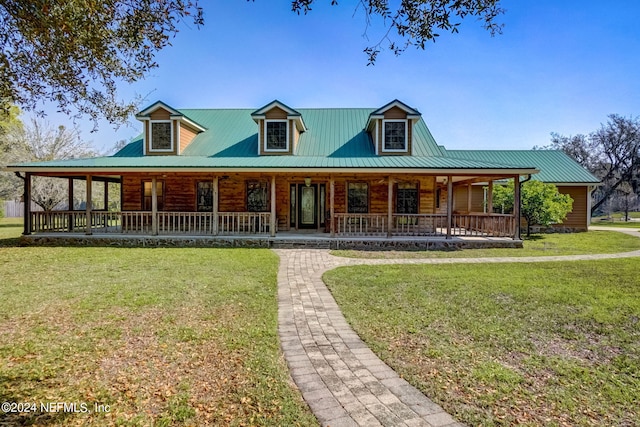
307 206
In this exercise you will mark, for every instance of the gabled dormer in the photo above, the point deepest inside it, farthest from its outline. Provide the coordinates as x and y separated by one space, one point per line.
391 128
279 128
166 130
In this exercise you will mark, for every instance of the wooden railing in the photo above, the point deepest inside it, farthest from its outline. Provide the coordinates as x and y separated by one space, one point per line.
419 225
248 223
361 224
482 225
243 222
136 222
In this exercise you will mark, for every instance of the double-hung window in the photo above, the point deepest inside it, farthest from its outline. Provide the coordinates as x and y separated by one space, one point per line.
161 136
205 196
257 196
276 135
407 198
358 197
395 135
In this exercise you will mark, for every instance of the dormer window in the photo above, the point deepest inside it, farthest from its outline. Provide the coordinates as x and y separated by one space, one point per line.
395 135
161 136
276 135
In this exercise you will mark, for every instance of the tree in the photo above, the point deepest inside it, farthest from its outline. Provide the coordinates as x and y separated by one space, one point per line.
38 141
74 52
626 199
417 22
540 203
611 153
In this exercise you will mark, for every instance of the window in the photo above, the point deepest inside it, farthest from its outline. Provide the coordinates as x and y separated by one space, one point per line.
276 135
257 196
407 198
147 197
205 196
395 135
358 197
161 138
292 205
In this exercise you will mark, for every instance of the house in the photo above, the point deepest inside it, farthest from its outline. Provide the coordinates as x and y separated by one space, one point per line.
344 172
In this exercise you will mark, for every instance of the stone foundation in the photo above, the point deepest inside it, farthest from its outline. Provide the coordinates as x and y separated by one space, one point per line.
373 244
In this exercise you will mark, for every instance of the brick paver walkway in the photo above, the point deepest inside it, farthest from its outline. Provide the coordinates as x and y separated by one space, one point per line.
342 380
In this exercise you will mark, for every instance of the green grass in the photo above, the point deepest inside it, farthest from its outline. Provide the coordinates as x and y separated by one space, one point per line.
163 336
503 344
592 242
617 220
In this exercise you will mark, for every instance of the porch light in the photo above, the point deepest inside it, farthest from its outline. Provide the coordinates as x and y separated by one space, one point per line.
307 181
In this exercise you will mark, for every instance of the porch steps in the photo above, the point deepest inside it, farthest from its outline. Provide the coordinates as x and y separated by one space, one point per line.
300 243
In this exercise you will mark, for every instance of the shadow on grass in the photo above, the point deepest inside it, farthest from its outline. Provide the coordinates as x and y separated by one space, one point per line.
534 237
12 242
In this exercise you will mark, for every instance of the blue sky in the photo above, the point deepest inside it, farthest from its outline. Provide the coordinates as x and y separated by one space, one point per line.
559 66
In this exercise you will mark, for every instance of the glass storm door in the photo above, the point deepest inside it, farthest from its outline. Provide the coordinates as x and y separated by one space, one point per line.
307 206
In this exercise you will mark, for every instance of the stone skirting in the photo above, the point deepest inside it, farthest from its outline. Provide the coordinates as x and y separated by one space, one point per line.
373 244
150 242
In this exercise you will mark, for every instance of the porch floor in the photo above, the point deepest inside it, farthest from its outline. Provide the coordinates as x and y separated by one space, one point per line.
284 239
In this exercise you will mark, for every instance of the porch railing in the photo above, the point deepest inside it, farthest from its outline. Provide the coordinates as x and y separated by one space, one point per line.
361 224
481 225
252 223
139 222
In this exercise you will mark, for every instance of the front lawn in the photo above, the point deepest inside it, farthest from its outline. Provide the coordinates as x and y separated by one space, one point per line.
160 336
502 344
592 242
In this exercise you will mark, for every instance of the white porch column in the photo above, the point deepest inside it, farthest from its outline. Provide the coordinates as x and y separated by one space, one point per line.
27 204
389 206
332 192
215 205
449 205
516 206
154 206
272 220
469 198
88 202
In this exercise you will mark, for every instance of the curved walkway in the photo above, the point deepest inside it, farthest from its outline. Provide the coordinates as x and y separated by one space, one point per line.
342 380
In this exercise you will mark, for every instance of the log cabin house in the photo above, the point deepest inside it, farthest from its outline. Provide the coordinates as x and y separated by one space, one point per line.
345 172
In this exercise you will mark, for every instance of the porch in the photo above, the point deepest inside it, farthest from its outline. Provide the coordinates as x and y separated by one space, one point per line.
334 207
261 224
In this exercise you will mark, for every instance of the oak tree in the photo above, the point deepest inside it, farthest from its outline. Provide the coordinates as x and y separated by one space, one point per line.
611 153
75 52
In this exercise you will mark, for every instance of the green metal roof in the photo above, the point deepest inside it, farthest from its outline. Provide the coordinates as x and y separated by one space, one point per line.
331 133
555 166
335 138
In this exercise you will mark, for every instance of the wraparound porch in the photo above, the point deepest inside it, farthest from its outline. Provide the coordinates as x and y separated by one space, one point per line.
338 205
261 224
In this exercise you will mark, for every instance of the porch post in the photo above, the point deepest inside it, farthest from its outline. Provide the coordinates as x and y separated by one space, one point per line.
490 198
215 205
27 204
332 191
389 207
516 206
154 206
449 205
106 196
88 203
469 198
272 219
71 224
